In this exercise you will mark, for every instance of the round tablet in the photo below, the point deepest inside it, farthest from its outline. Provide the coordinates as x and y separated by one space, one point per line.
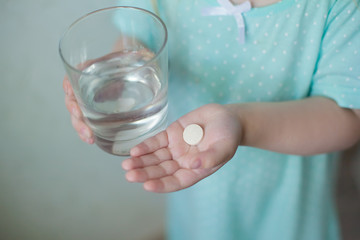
193 134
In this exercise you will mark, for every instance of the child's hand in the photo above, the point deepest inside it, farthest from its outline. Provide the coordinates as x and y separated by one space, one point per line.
77 118
165 163
112 91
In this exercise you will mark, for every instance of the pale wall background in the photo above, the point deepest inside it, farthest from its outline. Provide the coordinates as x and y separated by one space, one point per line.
52 185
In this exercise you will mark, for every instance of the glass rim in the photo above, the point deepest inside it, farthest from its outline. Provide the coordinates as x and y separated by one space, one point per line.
82 72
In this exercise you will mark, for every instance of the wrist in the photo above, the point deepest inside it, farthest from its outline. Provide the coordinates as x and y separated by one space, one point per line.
240 112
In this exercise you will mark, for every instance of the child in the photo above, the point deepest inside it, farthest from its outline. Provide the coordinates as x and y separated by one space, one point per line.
276 90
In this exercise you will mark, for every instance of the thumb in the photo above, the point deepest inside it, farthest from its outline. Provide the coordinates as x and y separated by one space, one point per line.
216 155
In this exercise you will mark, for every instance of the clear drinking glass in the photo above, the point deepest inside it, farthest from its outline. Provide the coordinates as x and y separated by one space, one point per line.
117 62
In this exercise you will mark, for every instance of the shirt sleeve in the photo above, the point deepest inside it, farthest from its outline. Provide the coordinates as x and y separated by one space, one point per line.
337 74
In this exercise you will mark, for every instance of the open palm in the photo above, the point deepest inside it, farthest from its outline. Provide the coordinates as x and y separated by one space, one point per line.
165 163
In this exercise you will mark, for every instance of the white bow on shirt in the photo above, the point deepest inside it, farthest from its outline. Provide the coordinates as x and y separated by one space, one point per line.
227 8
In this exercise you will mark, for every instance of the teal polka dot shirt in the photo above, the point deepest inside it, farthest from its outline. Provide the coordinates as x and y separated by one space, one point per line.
293 49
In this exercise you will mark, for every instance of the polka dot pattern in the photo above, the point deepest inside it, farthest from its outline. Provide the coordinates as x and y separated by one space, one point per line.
294 49
277 62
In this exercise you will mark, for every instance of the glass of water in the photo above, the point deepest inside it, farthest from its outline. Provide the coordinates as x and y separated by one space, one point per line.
117 62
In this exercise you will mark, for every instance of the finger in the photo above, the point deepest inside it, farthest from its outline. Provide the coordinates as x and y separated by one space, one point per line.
83 130
87 140
152 172
67 87
147 160
150 145
73 107
217 155
70 101
181 179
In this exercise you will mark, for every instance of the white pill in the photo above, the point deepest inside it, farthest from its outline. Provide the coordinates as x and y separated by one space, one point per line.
193 134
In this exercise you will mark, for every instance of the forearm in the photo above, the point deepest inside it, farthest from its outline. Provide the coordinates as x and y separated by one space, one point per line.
304 127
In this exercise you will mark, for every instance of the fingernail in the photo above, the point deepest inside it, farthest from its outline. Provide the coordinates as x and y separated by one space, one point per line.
196 164
85 132
90 140
66 90
75 112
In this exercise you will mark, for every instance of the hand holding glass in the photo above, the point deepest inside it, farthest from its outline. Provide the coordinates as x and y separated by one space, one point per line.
116 60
